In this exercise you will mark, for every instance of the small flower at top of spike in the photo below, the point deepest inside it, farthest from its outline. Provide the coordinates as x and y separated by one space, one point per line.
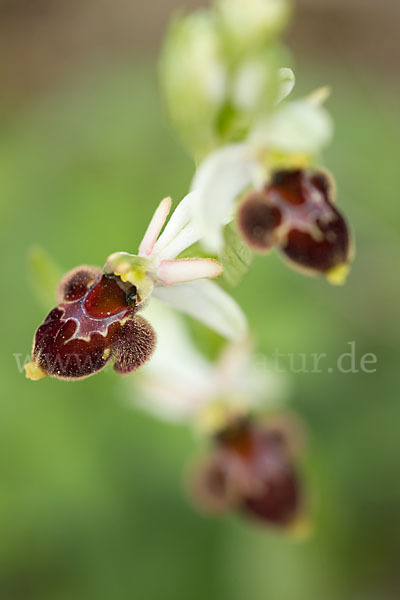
290 138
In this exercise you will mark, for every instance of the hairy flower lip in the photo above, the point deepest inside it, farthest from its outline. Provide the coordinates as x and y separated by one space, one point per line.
258 223
250 468
89 316
81 336
291 137
74 284
304 208
97 310
102 323
295 212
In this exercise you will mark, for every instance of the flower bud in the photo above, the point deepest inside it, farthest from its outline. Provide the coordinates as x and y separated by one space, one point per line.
251 469
250 23
295 212
193 76
94 323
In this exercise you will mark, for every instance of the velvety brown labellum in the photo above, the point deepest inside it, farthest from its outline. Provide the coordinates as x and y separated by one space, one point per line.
258 222
94 323
324 254
251 469
296 213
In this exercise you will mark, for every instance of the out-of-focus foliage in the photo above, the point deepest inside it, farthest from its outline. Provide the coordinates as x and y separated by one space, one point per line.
91 505
44 274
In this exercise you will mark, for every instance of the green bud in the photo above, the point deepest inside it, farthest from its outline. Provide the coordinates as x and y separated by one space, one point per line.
194 79
217 78
250 23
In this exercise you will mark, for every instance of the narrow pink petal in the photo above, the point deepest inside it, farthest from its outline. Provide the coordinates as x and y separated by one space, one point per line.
155 226
171 272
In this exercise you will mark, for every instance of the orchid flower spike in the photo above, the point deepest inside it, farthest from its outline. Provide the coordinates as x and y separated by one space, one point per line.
96 318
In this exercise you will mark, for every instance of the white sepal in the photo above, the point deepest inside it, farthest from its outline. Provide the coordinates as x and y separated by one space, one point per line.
303 126
205 301
178 379
181 231
219 180
180 384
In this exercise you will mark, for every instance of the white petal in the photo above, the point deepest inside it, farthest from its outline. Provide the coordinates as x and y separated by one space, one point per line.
286 83
218 182
301 126
251 377
252 21
171 272
178 381
180 232
174 344
155 226
205 301
168 397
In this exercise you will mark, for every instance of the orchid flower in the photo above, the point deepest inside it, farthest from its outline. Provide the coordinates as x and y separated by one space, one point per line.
251 462
251 467
290 137
96 319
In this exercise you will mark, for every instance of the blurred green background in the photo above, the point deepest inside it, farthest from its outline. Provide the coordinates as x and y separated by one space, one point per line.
91 505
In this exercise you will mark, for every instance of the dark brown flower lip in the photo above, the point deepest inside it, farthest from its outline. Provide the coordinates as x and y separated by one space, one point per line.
322 255
86 325
90 328
104 303
251 469
304 206
258 222
76 283
295 213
